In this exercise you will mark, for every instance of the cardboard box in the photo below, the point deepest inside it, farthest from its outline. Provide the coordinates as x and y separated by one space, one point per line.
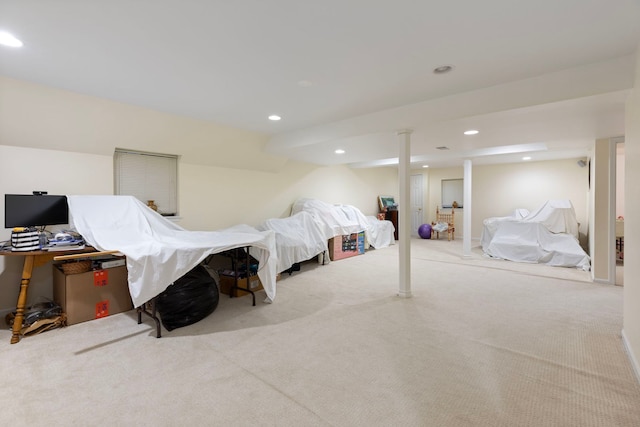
227 282
346 246
91 295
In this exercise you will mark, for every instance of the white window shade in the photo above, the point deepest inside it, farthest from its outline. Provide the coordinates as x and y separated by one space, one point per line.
148 176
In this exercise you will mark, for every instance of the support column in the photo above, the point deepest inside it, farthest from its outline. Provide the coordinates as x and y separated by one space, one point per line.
404 212
466 213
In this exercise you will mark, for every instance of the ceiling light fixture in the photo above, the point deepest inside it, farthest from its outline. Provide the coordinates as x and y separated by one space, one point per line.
9 40
274 117
526 158
425 166
339 151
443 69
471 132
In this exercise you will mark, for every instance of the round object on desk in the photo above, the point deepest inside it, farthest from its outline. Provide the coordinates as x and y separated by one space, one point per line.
424 231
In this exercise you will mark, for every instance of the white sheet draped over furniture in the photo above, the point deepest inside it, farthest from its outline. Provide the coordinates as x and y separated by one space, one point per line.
380 232
158 251
332 220
548 235
338 220
298 238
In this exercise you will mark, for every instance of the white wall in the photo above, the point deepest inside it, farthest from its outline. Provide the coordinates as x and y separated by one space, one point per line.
631 327
501 188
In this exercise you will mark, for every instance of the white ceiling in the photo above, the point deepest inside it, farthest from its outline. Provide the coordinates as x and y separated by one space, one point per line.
545 77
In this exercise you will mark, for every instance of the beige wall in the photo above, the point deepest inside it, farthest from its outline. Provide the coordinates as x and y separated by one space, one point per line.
43 117
25 170
499 189
210 198
602 211
620 179
213 198
631 327
63 143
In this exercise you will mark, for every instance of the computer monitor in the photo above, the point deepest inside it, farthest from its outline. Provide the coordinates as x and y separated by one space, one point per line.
29 210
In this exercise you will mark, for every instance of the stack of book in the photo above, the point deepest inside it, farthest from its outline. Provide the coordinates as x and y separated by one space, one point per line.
25 239
65 245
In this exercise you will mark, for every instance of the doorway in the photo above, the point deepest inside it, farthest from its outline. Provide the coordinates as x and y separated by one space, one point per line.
619 229
417 192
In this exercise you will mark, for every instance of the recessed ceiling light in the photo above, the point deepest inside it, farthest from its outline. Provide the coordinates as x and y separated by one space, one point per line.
471 132
425 166
7 39
339 151
526 158
442 69
274 117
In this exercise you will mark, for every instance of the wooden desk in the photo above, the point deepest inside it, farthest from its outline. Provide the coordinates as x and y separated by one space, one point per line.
32 259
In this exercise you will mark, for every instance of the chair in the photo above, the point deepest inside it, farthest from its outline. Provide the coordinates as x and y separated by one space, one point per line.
447 218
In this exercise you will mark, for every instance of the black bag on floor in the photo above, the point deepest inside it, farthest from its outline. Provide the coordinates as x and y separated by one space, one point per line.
189 299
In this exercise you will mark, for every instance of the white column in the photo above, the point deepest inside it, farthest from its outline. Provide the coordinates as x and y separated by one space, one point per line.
404 212
466 213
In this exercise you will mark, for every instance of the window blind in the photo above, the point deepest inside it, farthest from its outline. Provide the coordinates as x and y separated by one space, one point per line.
148 176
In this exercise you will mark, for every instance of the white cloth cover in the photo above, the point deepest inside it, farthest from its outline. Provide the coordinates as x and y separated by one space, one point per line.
491 225
158 251
338 220
380 232
558 216
298 238
441 227
332 220
547 236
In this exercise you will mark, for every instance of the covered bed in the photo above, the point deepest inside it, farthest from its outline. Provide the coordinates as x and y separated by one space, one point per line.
158 251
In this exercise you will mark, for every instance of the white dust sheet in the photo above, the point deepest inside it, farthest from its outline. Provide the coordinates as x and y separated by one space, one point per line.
338 220
158 251
298 238
548 235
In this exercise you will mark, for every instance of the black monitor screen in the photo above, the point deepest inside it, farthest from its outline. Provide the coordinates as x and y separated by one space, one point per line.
26 210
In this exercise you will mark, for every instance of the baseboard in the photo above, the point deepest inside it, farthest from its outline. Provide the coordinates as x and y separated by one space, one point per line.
632 357
4 312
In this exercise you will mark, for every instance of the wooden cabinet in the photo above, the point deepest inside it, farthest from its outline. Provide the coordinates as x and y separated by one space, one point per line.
392 215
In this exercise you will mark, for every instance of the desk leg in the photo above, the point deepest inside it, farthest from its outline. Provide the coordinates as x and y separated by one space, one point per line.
27 270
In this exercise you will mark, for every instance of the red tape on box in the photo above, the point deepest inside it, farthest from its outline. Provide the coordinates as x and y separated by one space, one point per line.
102 309
101 278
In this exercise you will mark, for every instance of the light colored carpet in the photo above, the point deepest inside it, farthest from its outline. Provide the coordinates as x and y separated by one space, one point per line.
481 343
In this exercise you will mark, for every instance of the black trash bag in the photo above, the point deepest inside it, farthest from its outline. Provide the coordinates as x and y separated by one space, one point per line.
188 300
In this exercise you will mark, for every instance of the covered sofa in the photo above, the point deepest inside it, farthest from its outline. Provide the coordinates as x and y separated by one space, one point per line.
548 235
